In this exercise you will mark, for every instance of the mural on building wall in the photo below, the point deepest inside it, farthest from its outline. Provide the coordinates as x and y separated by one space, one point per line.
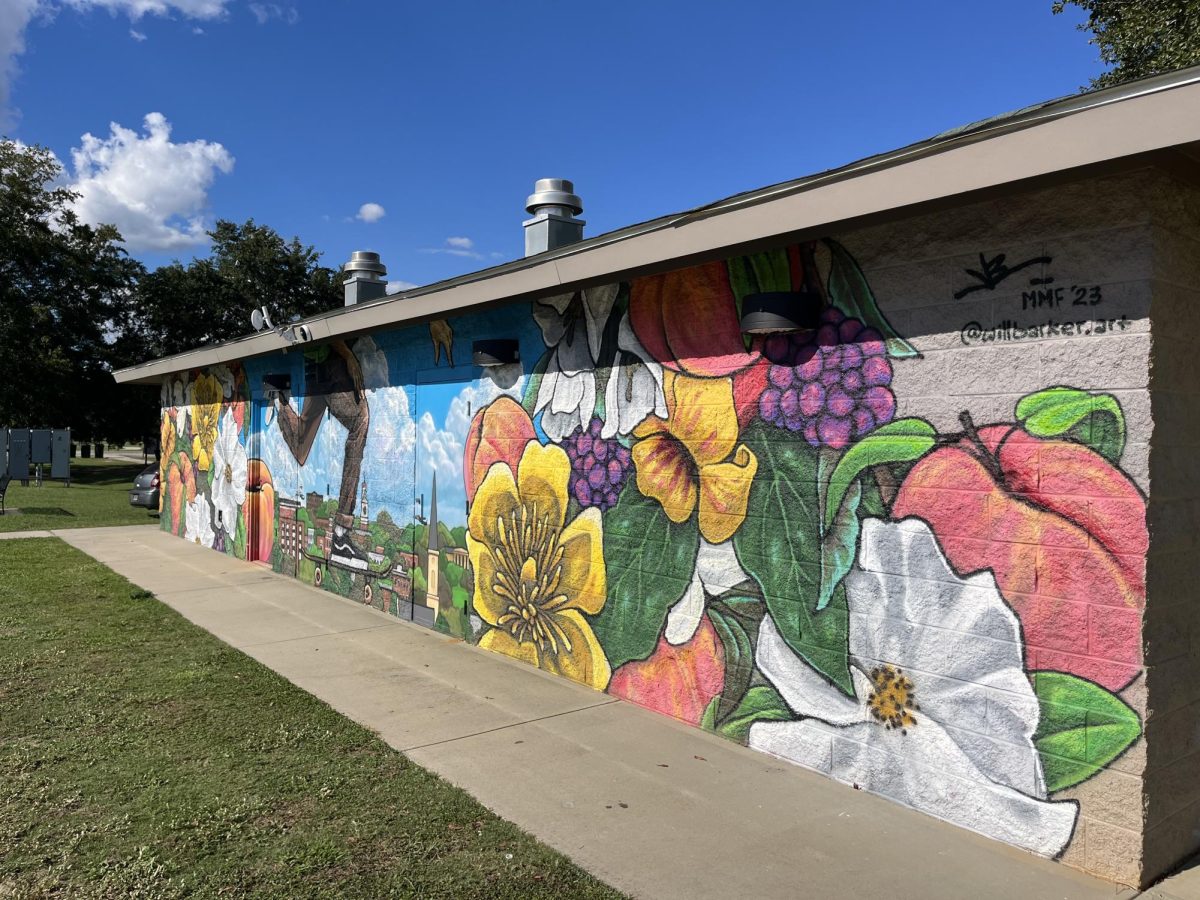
203 466
741 533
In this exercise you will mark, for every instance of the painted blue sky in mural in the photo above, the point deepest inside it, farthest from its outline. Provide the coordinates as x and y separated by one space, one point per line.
414 432
418 129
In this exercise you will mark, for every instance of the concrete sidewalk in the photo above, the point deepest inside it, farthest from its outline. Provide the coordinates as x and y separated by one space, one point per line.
650 806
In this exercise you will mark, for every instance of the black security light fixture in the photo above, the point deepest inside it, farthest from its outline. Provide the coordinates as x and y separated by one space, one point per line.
781 311
277 385
495 352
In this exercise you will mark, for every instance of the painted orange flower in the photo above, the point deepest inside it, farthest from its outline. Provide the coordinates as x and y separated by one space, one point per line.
688 321
537 575
181 488
693 459
499 433
677 681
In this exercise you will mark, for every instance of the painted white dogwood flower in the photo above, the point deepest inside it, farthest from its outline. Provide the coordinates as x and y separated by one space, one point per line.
943 715
224 376
717 571
573 326
198 522
635 385
230 466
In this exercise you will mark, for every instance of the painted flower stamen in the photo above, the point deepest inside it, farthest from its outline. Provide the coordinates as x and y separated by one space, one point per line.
538 575
893 700
528 577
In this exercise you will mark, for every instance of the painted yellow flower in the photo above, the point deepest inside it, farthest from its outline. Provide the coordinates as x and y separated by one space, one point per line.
206 412
684 460
535 574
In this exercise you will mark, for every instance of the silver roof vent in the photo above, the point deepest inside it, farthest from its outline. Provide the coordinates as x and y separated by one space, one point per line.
553 205
364 277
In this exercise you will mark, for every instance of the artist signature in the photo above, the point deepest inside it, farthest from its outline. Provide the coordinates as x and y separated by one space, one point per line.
993 271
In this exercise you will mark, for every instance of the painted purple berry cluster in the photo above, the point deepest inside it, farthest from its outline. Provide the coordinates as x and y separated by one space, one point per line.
833 384
599 467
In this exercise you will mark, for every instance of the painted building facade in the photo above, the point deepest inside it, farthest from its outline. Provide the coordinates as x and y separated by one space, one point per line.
908 549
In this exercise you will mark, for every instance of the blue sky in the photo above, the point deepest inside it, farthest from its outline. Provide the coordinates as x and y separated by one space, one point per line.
297 114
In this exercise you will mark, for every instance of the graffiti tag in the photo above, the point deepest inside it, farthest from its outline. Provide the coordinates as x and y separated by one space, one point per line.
993 271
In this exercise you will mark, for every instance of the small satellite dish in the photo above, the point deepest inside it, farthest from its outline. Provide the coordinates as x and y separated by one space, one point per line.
267 318
257 320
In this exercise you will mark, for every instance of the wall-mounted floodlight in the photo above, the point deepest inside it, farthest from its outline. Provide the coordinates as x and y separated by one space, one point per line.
781 311
297 334
495 352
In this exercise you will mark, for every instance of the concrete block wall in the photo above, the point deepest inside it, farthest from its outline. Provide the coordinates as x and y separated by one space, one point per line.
907 551
1098 235
1172 628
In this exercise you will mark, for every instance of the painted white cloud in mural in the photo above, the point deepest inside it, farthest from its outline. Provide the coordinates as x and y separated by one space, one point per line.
387 461
441 446
441 450
323 470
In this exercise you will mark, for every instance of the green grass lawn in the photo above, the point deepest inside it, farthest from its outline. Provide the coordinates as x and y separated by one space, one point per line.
141 757
98 495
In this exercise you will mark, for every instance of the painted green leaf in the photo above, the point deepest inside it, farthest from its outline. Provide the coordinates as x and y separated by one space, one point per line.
762 703
534 382
758 272
848 291
780 545
1094 420
1082 728
736 621
649 560
901 441
239 538
708 721
839 544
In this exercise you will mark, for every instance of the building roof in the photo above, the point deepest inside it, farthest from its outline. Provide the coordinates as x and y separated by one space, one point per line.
1061 139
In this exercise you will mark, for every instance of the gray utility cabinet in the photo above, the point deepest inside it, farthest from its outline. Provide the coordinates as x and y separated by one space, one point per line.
60 454
39 446
18 454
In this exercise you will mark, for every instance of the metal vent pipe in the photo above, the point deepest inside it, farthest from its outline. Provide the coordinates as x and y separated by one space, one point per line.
554 206
364 277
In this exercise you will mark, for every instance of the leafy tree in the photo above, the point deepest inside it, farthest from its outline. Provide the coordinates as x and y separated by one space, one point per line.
210 299
65 290
1140 37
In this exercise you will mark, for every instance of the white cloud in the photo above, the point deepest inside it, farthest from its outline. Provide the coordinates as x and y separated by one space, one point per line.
456 246
197 30
135 9
137 35
15 16
155 191
370 212
265 12
395 287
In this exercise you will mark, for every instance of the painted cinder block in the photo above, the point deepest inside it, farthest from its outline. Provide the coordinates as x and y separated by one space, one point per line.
922 551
